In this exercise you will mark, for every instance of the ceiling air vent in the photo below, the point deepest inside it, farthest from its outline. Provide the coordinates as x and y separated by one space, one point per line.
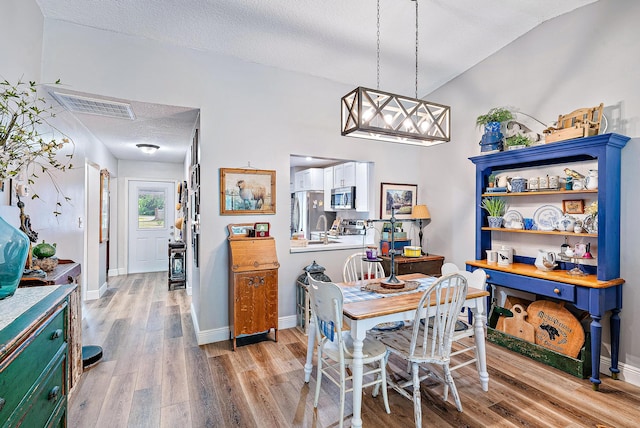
78 104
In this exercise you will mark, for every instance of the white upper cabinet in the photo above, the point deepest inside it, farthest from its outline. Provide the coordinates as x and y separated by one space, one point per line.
328 185
362 186
309 179
344 174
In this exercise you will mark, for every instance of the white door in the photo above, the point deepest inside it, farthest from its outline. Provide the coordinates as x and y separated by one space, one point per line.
151 225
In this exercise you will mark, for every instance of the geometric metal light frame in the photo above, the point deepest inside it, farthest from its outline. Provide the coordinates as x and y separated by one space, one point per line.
379 115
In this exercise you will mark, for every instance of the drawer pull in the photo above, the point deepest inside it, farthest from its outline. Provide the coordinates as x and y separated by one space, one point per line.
56 334
557 291
54 393
2 401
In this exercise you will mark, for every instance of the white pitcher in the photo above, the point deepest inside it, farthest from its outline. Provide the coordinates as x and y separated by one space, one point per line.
546 260
591 180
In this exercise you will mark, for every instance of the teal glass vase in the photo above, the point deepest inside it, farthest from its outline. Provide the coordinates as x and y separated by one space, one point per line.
14 249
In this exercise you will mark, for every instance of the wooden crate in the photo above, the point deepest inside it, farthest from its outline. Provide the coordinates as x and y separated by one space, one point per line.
579 367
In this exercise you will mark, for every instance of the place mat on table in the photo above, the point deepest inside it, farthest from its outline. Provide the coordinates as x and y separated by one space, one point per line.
358 293
377 287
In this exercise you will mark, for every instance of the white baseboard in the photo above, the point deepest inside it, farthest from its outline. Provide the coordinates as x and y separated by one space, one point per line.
629 374
113 272
221 334
96 294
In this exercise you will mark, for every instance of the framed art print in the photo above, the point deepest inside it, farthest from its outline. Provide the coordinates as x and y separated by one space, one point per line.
247 191
402 197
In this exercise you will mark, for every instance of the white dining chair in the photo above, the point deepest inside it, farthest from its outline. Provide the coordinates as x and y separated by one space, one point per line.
475 279
422 344
356 268
335 347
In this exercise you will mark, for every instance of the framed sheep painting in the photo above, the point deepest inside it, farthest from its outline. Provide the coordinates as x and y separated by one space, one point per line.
247 191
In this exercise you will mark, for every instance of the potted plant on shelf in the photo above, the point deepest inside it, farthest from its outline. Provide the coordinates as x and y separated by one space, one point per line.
495 207
491 180
492 120
518 141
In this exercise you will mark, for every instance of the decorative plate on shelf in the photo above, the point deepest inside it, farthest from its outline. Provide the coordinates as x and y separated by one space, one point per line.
547 216
511 218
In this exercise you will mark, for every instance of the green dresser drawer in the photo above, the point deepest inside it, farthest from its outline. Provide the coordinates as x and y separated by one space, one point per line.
22 368
47 398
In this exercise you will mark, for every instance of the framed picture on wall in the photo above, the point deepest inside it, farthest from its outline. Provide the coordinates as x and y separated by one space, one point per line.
247 191
402 197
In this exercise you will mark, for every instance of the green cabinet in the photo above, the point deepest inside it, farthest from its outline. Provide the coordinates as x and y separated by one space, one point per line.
34 368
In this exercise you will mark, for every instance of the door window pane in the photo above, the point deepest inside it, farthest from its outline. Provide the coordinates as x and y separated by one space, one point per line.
151 209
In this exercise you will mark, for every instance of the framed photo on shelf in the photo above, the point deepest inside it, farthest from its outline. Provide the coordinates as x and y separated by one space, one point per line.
247 191
402 197
573 206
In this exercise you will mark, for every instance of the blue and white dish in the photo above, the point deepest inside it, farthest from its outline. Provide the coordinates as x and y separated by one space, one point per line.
512 219
546 217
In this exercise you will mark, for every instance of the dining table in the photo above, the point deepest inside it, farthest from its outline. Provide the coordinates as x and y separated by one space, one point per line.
363 309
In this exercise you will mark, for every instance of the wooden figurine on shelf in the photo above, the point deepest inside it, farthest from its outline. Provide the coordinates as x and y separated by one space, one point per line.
579 123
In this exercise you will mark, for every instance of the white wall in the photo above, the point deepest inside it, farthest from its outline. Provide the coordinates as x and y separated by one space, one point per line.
249 113
577 60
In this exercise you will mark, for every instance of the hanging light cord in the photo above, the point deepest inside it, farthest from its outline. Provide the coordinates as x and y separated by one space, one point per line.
416 47
378 50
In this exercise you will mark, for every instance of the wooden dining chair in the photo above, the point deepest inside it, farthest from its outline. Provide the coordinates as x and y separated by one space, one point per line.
335 347
421 344
356 268
475 279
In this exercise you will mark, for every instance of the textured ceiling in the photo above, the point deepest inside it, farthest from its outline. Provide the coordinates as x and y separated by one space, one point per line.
333 39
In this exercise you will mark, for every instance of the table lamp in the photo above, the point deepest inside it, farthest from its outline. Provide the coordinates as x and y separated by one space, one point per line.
420 212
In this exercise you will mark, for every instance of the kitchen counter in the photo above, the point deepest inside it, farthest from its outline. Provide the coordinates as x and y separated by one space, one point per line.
344 242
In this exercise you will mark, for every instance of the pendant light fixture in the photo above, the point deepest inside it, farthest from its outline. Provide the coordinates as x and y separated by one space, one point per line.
378 115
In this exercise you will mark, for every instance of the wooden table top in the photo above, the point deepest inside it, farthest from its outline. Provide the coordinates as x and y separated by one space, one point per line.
393 304
590 281
404 259
64 273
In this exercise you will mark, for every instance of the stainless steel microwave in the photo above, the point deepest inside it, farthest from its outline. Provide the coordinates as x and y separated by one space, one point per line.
343 198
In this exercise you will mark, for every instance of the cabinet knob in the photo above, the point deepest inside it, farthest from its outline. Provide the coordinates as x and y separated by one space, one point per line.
56 334
556 290
54 393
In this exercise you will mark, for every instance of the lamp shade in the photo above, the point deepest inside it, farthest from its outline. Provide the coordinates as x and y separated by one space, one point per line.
420 212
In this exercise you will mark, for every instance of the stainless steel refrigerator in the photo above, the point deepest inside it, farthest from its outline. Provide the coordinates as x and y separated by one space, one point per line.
306 209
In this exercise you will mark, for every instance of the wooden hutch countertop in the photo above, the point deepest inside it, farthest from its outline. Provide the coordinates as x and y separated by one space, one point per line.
555 275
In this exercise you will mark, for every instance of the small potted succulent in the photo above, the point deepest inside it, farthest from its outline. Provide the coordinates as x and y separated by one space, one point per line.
495 207
491 180
518 141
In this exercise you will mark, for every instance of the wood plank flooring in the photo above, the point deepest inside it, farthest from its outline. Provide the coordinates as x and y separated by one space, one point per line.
153 374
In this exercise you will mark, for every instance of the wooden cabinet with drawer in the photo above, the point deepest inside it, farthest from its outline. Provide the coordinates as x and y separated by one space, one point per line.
34 370
430 264
253 286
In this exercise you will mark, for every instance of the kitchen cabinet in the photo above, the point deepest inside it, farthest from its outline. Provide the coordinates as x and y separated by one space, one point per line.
362 186
253 286
309 179
328 185
598 292
34 368
344 174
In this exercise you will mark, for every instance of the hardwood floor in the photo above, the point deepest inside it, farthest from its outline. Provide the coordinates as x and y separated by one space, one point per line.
153 374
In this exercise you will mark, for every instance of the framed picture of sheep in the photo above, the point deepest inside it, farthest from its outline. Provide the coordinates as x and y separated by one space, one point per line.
247 191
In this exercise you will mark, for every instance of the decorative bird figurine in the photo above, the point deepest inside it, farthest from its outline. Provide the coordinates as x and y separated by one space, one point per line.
572 173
